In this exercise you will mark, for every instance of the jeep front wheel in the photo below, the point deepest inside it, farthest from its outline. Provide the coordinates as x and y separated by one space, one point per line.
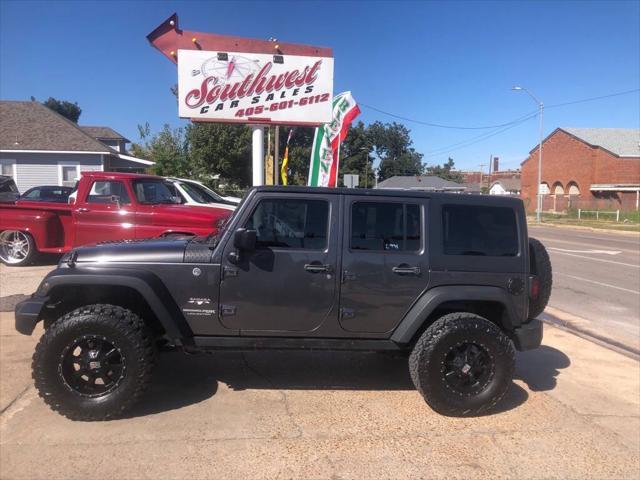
462 364
93 363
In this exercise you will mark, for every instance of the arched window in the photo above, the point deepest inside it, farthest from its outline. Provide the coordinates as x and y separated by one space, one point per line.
558 189
573 188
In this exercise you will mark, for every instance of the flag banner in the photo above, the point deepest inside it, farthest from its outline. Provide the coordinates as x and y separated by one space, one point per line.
325 153
285 160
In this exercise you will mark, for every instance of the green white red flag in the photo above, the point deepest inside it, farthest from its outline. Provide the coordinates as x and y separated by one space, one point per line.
325 154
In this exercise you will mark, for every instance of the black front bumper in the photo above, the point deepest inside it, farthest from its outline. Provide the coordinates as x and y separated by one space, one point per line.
28 313
528 336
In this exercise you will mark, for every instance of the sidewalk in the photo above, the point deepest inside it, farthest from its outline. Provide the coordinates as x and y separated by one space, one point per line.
572 412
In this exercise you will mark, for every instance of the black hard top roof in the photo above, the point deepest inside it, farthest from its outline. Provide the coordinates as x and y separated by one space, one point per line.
471 199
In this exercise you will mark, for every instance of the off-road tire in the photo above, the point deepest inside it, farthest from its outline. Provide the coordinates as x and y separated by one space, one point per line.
540 265
427 367
120 326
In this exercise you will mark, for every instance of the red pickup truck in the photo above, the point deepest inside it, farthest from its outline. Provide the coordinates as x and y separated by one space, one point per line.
106 206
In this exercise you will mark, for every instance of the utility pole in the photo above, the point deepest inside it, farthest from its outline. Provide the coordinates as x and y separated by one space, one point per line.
276 159
541 115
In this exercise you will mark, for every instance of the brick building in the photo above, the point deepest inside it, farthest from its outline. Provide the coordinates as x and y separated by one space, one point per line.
588 168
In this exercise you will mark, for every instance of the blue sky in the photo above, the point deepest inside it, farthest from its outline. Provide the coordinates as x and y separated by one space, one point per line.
444 62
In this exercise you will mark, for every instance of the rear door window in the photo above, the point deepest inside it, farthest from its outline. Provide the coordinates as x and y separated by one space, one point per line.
385 226
479 231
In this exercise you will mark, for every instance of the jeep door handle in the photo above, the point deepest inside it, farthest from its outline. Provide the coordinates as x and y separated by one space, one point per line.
406 270
83 209
317 267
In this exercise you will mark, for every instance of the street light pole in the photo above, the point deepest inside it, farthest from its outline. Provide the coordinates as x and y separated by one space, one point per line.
541 115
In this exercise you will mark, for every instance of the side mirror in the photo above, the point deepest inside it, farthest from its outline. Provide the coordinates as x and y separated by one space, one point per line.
245 240
116 199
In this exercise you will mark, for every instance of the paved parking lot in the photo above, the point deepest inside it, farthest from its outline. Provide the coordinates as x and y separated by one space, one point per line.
573 411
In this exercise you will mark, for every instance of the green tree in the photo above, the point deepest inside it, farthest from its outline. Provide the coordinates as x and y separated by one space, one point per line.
67 109
446 171
393 145
220 149
168 149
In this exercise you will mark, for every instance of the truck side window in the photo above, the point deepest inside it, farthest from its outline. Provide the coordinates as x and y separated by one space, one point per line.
102 191
480 231
385 226
291 223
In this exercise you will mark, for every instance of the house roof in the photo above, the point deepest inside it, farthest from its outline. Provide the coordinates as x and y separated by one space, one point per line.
622 142
473 187
420 182
103 133
26 126
509 184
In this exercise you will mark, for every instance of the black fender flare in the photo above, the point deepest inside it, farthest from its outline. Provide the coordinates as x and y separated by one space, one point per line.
433 298
147 284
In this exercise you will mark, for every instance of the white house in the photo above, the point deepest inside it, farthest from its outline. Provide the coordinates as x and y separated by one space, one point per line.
40 147
505 186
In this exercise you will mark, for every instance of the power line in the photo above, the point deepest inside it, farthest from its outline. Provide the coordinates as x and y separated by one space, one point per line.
484 136
477 139
626 92
439 125
488 127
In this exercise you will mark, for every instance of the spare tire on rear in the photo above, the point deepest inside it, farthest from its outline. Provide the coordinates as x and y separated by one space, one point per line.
540 266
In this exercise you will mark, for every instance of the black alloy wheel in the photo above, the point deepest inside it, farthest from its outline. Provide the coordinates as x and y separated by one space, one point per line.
467 368
92 366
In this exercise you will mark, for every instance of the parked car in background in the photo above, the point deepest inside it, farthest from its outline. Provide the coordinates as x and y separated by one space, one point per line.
196 193
8 189
107 206
47 193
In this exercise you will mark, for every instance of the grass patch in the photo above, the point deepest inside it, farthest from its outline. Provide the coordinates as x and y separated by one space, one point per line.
629 221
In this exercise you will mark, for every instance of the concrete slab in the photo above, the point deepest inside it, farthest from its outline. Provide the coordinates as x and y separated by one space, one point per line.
572 412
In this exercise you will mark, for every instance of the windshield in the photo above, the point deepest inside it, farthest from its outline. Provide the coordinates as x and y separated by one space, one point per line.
151 192
200 194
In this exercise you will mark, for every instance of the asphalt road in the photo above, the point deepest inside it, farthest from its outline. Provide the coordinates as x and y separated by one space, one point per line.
596 277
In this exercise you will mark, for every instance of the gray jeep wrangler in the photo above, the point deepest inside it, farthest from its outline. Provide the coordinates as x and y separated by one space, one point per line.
451 280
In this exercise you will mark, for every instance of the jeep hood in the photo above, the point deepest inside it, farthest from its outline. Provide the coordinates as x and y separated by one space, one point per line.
156 250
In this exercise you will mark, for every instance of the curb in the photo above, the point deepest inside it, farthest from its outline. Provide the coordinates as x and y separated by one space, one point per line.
634 233
567 322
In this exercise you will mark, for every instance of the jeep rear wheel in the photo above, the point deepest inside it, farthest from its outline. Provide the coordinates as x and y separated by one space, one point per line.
93 363
462 365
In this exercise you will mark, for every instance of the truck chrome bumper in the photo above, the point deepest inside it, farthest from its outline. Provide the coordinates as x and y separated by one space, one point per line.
27 314
528 336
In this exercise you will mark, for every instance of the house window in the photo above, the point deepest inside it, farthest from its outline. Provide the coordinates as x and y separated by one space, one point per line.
574 189
558 189
68 173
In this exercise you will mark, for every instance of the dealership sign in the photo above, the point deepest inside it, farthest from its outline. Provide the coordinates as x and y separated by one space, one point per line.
254 88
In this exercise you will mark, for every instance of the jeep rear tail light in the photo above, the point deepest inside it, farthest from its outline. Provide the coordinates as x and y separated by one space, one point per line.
535 288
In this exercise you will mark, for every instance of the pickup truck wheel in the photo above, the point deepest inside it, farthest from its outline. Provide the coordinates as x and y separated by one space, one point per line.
16 248
462 365
540 266
94 363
